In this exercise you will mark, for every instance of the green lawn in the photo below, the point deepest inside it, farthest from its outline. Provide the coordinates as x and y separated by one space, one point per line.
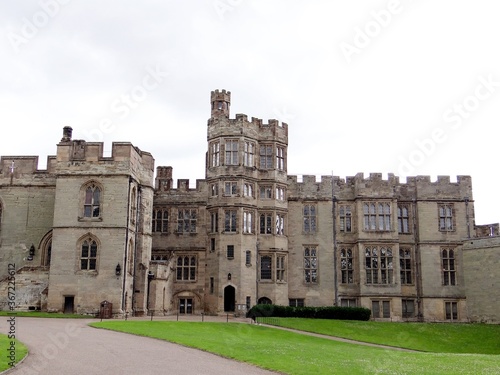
18 351
295 354
429 337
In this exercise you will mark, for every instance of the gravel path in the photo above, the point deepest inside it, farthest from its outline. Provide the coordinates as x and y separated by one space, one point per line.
69 346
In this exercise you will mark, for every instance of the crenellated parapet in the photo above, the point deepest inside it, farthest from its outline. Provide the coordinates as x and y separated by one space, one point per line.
82 157
423 188
309 188
375 186
273 130
23 170
25 165
164 186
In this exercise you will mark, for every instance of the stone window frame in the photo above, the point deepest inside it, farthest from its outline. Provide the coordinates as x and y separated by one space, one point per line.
214 221
407 312
296 302
186 271
348 302
248 189
280 268
266 268
449 266
133 205
311 264
266 223
266 156
230 188
46 249
280 223
404 215
266 191
310 217
248 258
230 221
130 257
406 265
345 218
231 151
346 265
230 251
88 204
379 265
214 154
377 216
280 193
214 189
446 217
451 310
91 259
160 224
280 158
386 312
249 154
248 221
187 220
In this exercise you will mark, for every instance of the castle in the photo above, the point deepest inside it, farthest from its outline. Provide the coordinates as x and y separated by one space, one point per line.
92 230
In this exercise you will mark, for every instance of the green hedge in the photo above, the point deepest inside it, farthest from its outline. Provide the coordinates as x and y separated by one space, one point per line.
325 312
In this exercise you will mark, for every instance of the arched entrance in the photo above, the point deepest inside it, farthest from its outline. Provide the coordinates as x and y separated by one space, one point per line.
264 301
229 298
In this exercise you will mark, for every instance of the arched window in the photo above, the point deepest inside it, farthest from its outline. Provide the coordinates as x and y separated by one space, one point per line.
133 207
88 254
46 249
131 257
264 301
92 201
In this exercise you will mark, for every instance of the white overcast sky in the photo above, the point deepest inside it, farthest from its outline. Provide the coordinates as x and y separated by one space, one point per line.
404 87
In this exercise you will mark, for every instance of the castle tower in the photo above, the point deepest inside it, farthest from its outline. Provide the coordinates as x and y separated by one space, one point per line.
101 238
247 210
220 102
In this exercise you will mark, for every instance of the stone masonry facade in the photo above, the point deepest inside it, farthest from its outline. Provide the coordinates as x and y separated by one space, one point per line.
91 229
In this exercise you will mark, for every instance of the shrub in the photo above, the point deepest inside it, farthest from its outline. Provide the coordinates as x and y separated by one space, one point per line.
325 312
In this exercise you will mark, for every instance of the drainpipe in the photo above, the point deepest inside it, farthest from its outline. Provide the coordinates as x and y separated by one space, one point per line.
334 214
418 281
257 272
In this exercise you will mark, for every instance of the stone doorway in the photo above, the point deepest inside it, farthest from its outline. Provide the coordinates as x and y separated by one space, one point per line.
229 298
69 304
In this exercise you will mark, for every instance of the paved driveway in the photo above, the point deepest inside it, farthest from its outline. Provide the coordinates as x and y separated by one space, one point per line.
69 346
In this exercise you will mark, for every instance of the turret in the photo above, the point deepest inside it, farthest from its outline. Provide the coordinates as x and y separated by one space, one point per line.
220 102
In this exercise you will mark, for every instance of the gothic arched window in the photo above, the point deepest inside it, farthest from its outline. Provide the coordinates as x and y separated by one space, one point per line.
92 201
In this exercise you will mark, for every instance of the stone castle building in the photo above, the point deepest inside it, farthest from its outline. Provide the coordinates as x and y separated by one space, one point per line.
92 230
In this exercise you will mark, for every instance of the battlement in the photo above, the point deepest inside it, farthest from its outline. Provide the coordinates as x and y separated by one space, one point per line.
418 187
79 150
165 183
273 130
17 166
